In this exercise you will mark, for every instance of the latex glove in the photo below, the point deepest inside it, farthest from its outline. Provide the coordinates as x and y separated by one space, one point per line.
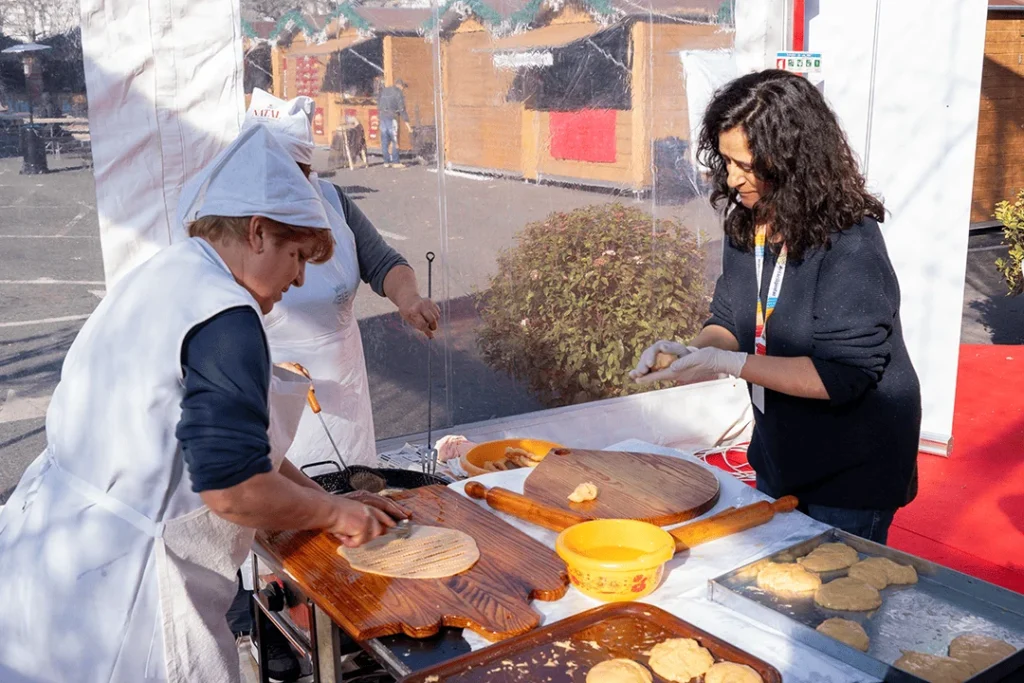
423 314
647 358
700 365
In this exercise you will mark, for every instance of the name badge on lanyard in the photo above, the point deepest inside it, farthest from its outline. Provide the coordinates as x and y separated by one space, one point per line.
763 314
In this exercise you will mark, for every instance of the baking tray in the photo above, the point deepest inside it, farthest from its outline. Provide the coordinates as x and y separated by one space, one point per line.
923 617
564 651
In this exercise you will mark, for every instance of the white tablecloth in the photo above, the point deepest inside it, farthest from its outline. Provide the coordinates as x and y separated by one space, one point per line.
684 589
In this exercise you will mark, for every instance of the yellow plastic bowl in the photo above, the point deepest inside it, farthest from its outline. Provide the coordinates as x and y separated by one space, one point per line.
481 454
615 560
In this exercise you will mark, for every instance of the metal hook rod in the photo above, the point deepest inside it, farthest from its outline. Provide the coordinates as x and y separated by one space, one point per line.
430 382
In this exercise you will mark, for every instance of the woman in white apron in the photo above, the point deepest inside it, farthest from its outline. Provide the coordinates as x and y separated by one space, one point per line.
117 565
315 326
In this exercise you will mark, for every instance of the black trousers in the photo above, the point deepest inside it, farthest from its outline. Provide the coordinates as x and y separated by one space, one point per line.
240 613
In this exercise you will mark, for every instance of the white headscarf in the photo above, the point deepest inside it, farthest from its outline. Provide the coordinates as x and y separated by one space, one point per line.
290 121
253 176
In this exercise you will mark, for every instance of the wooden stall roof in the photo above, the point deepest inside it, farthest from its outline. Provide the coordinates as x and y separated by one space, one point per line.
554 35
395 19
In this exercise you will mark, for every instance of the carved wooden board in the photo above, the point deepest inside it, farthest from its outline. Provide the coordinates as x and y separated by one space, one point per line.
652 488
492 599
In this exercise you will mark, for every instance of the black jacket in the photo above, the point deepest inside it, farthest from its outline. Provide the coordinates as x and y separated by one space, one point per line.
840 305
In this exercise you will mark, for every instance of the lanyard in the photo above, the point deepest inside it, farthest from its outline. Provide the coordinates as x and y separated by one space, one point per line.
763 314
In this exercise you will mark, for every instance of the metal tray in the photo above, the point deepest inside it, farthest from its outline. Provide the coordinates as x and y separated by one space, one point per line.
922 617
564 651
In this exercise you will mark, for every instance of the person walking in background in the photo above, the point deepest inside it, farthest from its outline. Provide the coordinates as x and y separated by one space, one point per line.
392 107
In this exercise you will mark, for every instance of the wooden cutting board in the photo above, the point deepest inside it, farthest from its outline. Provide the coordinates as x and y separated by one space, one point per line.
651 488
492 599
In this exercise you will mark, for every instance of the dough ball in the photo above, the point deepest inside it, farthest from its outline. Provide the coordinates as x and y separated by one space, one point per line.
980 651
680 659
619 671
662 360
871 571
583 493
787 579
934 669
849 595
845 631
829 557
727 672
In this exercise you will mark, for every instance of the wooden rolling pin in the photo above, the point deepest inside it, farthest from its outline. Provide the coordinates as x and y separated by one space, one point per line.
725 523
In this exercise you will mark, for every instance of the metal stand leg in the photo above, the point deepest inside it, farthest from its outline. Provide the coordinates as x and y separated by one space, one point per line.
257 627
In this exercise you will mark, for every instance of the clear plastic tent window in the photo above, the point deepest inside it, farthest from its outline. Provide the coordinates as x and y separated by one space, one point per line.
549 164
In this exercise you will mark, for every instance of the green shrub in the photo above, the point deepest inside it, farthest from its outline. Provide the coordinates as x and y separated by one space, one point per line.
1012 218
574 304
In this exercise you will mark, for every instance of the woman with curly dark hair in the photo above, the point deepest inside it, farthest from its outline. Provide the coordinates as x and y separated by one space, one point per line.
807 309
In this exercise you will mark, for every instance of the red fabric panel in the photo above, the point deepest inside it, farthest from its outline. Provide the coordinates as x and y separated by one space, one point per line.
969 511
585 135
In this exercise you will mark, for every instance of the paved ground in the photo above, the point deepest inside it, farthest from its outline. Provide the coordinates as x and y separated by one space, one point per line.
51 278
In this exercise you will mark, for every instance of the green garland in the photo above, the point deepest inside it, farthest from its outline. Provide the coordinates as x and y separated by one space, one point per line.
521 17
295 19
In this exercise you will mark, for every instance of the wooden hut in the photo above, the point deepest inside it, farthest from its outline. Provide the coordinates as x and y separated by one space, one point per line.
576 98
366 49
999 159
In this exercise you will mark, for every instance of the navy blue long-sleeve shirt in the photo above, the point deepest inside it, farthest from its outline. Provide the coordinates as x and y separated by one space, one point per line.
376 257
224 412
841 307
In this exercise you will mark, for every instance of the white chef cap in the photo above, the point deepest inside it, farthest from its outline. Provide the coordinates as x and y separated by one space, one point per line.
291 122
253 176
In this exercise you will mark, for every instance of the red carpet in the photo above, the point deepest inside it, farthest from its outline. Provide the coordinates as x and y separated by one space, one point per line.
969 513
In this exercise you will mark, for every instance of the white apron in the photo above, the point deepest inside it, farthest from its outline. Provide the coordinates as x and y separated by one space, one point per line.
114 569
315 326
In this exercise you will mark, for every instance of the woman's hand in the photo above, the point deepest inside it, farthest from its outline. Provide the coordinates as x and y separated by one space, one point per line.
355 523
699 365
649 357
421 313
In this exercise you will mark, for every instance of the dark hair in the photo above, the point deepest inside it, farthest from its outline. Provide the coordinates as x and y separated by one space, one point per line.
813 185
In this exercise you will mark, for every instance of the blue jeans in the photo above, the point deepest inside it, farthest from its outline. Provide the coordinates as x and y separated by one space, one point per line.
389 140
870 524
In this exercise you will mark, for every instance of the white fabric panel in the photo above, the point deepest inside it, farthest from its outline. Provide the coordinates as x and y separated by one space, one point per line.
760 33
164 80
704 72
695 416
919 151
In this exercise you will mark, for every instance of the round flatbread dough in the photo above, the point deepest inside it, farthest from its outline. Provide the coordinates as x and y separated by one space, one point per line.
845 631
728 672
980 651
787 579
429 552
899 574
619 671
829 557
848 595
934 669
871 571
680 659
